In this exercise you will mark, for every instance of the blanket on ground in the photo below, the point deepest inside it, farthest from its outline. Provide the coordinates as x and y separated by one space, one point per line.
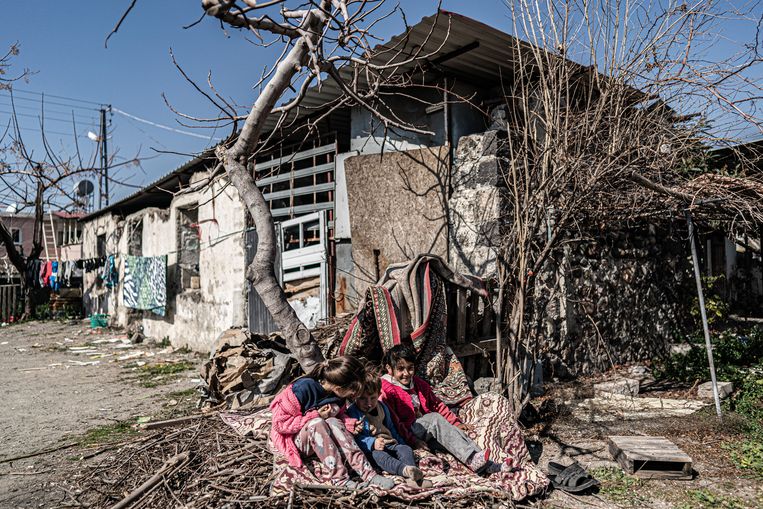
409 301
494 428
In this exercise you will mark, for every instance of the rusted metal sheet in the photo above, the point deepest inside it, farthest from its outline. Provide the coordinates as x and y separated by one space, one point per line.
260 319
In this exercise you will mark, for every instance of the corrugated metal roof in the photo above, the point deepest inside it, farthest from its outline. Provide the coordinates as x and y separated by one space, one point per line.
434 37
159 192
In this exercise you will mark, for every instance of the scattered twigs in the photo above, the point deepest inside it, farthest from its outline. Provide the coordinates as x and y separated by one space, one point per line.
174 422
38 453
169 466
222 469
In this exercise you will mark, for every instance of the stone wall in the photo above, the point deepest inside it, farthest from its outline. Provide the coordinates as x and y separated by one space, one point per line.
475 205
619 297
616 297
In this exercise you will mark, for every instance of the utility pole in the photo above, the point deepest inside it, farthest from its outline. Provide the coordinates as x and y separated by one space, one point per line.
104 190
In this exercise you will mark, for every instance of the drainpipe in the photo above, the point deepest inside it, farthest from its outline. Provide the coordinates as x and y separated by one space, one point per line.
448 181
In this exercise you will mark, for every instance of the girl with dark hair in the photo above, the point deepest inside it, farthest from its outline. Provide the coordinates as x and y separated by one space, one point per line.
305 422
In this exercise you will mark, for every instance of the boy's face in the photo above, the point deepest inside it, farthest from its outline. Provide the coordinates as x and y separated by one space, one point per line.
367 401
402 371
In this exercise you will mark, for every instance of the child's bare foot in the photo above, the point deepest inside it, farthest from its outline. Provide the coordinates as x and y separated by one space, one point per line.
413 472
424 483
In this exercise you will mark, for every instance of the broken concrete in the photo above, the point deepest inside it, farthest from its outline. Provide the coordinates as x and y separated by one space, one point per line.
705 391
615 407
623 386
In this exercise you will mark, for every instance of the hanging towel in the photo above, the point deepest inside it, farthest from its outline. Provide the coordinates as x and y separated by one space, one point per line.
145 283
110 275
55 278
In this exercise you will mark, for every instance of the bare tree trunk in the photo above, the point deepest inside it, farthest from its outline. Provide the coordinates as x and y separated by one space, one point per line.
261 272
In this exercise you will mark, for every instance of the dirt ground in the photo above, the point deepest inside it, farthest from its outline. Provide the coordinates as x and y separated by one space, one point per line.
717 482
69 387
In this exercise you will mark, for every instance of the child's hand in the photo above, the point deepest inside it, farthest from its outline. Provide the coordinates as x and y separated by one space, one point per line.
358 428
325 411
379 444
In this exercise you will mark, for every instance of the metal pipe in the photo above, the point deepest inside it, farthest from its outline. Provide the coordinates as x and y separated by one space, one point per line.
708 345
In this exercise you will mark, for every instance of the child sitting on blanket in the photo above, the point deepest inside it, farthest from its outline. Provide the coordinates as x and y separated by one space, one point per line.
370 421
305 422
422 417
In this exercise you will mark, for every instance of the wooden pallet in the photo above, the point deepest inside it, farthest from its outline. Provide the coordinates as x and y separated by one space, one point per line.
650 457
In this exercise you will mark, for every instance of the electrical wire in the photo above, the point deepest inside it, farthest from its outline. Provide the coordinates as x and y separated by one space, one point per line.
160 126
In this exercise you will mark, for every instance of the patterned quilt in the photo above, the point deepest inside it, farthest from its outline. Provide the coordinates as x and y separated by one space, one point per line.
494 428
145 283
409 304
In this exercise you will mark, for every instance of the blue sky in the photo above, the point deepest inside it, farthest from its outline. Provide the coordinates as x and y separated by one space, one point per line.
62 43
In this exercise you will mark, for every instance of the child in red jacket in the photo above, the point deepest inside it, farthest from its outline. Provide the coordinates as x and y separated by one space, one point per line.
421 417
305 422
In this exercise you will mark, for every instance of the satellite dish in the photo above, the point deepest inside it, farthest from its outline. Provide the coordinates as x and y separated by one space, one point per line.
93 136
12 208
84 188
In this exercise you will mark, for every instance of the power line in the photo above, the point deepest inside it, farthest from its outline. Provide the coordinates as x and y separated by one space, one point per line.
41 117
54 103
160 126
77 113
42 94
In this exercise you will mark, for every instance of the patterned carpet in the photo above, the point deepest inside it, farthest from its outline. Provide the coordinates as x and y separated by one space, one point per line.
494 427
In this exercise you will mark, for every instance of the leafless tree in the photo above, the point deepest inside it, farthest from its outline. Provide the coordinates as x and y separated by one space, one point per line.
320 40
38 182
608 115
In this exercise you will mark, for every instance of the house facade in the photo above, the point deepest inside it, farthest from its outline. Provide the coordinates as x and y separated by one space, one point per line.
60 237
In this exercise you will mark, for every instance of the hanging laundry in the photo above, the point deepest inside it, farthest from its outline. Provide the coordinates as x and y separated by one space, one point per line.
145 283
54 280
110 276
45 269
32 274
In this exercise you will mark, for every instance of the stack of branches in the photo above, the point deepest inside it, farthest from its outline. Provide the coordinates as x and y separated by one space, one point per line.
206 464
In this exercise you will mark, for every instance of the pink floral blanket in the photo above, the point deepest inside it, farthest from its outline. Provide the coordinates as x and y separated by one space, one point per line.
494 428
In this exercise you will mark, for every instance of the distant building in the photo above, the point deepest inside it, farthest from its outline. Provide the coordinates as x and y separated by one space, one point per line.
61 237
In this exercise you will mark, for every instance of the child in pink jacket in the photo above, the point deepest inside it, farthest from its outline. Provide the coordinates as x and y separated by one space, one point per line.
421 417
305 423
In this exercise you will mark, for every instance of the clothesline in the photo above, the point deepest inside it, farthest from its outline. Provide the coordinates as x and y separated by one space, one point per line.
209 244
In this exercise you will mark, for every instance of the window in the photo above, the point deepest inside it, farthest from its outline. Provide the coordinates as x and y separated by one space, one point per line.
101 245
135 238
16 234
188 248
61 238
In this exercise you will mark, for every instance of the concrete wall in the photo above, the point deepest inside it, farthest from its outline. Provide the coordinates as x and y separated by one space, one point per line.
422 108
194 317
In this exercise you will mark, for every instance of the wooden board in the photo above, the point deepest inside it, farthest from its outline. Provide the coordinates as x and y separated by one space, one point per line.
650 457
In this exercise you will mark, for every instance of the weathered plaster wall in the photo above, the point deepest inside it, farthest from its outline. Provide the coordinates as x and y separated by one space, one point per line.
194 317
396 207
